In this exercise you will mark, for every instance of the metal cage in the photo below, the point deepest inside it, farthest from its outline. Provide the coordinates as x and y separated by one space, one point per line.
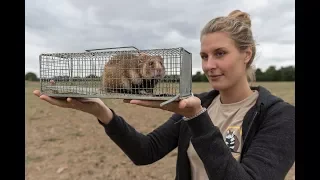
81 74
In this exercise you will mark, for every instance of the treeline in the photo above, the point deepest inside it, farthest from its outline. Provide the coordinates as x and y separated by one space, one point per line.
271 74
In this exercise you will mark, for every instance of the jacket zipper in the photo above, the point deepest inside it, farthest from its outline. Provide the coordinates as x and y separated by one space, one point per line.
248 131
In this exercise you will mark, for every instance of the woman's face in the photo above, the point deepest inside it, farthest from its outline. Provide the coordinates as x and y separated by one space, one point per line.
223 64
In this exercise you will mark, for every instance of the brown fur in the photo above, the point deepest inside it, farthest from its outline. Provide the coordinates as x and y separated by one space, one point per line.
129 73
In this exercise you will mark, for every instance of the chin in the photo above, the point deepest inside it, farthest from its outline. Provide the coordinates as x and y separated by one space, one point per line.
218 86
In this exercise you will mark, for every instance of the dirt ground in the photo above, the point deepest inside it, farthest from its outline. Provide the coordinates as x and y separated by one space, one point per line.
64 144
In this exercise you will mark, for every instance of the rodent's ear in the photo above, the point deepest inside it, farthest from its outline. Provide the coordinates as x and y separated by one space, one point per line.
143 54
161 59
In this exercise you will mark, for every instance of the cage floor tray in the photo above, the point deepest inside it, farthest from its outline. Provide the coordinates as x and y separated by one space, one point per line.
79 91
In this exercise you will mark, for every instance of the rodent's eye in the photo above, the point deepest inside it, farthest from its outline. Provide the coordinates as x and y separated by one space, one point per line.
151 63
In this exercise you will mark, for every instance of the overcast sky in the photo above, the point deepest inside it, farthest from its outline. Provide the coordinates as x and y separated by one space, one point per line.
76 25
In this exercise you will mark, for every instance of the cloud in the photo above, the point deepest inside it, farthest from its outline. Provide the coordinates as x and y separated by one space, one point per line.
76 25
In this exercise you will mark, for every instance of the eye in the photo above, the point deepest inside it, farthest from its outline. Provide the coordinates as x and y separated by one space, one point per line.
219 53
151 63
204 57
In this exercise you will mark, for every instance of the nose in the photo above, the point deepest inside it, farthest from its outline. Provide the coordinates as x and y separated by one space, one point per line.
210 63
158 69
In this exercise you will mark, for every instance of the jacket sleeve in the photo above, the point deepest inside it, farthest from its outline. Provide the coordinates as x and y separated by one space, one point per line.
144 149
270 155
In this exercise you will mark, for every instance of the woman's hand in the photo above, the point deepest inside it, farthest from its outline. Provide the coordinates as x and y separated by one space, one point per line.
92 106
186 107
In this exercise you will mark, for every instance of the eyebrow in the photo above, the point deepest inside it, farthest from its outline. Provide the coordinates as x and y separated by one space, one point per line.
219 48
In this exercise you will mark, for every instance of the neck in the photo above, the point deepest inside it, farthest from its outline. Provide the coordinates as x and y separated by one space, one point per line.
238 92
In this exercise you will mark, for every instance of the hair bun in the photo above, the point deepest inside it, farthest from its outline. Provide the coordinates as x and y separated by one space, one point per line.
242 16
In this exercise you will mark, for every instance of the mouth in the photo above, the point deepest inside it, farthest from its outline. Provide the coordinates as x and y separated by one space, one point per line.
158 76
214 77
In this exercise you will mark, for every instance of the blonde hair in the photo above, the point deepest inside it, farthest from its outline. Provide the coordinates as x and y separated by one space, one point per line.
238 25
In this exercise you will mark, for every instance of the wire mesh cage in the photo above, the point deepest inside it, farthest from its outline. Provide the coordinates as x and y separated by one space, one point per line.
118 73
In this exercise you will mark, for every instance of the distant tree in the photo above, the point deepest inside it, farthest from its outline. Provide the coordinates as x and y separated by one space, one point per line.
272 74
287 73
260 75
30 76
197 77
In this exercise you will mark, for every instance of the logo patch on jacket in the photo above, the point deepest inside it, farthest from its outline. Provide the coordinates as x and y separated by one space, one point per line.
232 141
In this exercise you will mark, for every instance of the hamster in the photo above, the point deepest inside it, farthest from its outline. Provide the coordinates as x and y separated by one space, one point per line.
133 74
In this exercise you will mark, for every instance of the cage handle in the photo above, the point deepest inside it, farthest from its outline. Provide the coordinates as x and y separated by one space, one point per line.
121 47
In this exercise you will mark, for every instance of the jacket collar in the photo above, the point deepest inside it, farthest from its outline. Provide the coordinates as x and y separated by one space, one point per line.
265 99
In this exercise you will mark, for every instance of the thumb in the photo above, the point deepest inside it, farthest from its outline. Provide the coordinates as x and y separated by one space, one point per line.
183 104
189 102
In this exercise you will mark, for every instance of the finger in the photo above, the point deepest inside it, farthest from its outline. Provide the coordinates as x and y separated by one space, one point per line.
37 92
83 100
52 82
153 104
173 107
76 104
53 101
72 100
78 100
69 99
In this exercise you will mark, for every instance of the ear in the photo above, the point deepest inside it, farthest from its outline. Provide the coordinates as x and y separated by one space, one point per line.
247 55
159 58
162 59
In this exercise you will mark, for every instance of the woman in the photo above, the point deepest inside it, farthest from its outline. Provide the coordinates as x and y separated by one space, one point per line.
232 132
